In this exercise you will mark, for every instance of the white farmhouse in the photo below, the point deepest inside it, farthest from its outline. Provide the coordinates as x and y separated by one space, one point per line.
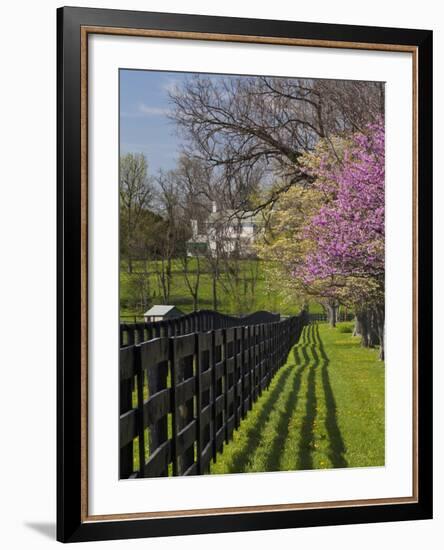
227 230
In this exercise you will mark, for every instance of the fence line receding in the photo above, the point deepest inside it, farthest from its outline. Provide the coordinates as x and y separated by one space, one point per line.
185 386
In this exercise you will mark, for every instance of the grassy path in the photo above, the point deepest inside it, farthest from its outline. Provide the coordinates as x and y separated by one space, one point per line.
323 409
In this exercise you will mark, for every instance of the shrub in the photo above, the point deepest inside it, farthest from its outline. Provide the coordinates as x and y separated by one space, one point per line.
345 328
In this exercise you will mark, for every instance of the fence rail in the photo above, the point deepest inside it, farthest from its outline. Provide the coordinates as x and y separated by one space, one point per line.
182 396
198 321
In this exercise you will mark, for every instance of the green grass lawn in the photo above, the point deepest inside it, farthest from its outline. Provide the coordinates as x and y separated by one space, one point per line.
323 409
267 294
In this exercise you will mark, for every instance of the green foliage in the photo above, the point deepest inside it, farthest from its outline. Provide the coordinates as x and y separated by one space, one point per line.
323 409
283 243
266 297
344 328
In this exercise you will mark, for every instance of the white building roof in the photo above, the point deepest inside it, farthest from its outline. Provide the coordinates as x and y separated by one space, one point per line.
159 310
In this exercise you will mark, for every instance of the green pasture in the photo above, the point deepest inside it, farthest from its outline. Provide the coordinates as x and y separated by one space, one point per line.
249 297
323 409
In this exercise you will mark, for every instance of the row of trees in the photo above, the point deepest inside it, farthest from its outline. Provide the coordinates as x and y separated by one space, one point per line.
326 240
308 155
159 216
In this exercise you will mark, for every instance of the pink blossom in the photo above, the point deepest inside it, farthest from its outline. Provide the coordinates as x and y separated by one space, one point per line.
347 232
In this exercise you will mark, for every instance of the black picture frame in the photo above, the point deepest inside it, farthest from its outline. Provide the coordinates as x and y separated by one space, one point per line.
71 523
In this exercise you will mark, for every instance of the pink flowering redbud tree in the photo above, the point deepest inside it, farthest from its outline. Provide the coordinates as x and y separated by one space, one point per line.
347 232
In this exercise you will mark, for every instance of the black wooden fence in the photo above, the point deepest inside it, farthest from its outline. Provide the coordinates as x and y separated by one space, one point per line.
182 396
198 321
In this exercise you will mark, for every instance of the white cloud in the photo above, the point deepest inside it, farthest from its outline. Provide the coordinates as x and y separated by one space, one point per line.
146 110
171 85
125 114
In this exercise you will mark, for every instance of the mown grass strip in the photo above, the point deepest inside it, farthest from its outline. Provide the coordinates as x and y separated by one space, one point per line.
324 409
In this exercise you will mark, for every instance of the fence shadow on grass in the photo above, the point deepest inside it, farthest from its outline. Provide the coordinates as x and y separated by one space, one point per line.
305 459
336 442
283 425
254 434
337 447
309 357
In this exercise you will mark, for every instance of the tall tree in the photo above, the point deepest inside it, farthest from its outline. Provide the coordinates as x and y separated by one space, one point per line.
347 233
192 270
200 191
171 238
242 125
136 194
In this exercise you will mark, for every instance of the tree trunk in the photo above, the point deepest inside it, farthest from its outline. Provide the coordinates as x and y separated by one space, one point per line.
362 318
368 326
332 313
168 281
357 330
214 292
380 318
373 333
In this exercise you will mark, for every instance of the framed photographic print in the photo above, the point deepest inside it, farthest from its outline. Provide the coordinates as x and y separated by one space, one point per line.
244 286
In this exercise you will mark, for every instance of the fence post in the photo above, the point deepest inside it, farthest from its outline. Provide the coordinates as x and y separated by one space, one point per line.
238 377
219 398
130 332
245 372
225 384
214 388
183 411
205 399
126 461
154 362
140 424
251 361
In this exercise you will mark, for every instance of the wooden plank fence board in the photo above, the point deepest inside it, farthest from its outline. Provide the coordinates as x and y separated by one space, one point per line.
157 406
158 461
126 363
205 398
154 371
128 427
183 410
186 390
186 437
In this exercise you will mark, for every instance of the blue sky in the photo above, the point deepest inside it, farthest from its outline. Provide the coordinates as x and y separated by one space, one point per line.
144 124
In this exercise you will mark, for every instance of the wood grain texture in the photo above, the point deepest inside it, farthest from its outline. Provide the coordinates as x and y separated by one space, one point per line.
154 33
